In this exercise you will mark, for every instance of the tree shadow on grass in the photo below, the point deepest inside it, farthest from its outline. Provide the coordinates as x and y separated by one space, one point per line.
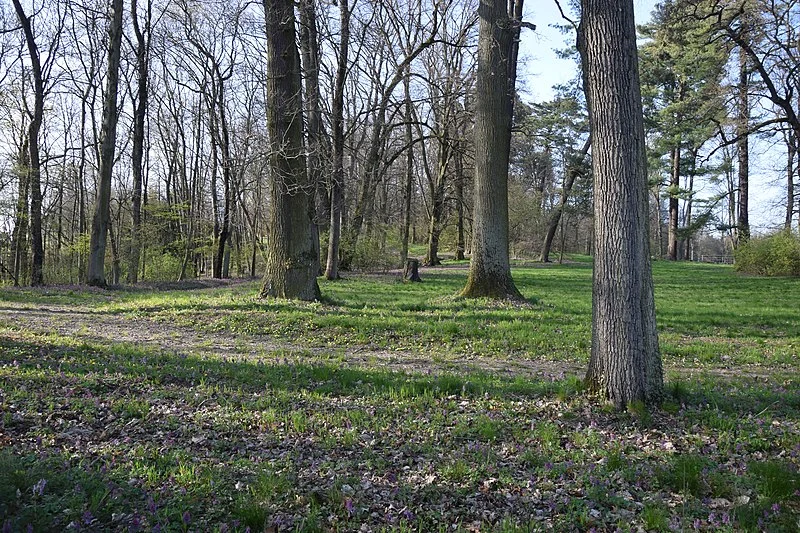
290 464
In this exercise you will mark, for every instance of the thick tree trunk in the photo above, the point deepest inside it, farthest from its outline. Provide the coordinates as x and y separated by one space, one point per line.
490 269
337 179
100 223
290 271
573 171
625 364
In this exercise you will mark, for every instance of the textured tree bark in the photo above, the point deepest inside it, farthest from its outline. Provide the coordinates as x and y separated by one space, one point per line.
290 261
489 268
95 274
625 364
337 124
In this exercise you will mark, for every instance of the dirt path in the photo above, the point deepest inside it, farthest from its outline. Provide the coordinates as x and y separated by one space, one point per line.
91 325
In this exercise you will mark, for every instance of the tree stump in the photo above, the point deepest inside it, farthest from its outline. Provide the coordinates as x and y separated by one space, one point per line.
411 270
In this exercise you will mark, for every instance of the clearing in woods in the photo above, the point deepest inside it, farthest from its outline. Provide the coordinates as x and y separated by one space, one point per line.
196 406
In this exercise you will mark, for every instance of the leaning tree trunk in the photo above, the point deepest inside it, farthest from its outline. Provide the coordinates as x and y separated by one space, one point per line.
290 268
625 364
102 214
573 171
489 268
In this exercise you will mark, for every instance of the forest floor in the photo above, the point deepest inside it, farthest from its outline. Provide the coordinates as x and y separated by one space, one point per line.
392 406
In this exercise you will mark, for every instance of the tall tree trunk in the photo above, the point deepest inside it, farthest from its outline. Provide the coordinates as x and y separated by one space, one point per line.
137 153
409 173
743 149
461 244
790 166
290 271
19 237
337 124
687 217
437 191
34 164
625 364
490 268
674 185
573 171
102 214
317 146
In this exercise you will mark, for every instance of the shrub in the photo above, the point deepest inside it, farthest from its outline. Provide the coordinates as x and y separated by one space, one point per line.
774 255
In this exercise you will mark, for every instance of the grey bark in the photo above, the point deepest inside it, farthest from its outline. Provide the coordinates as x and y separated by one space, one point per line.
490 268
290 265
625 364
95 274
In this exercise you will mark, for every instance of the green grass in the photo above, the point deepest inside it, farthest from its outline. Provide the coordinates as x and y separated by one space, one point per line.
398 406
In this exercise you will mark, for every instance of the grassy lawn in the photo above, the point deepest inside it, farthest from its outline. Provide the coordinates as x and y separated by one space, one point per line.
392 406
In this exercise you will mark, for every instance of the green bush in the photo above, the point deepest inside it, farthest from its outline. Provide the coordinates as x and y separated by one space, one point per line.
164 267
774 255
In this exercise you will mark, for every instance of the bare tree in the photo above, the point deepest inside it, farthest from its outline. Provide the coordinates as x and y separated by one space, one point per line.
337 126
40 71
95 274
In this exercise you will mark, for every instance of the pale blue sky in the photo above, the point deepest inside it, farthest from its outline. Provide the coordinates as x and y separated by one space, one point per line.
541 68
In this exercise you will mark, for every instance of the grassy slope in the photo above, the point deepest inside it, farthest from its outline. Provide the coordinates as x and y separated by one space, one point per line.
127 437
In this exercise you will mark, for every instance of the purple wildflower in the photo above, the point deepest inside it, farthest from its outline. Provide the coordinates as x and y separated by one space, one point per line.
38 488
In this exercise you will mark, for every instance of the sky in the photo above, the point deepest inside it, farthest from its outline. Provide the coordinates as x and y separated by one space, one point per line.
541 69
